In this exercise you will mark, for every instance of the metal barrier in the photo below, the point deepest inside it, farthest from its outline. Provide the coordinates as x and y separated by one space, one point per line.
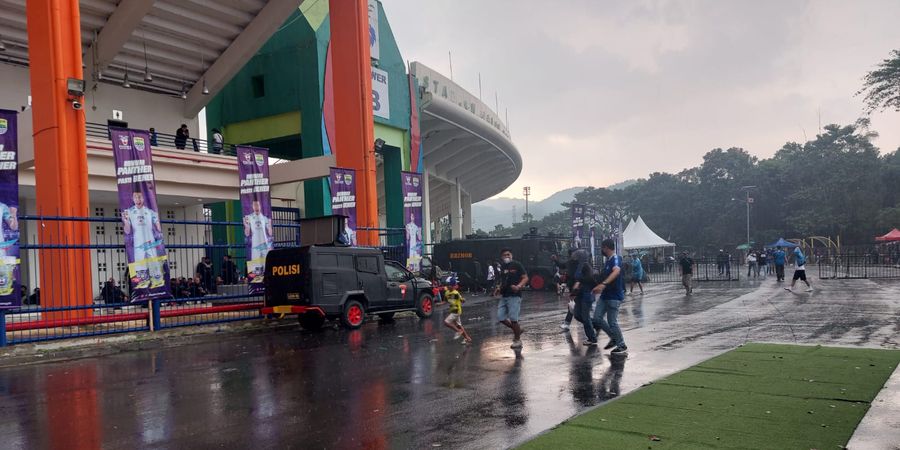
704 269
858 266
99 130
198 301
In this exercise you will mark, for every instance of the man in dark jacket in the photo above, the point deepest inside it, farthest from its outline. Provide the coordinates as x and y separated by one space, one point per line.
229 270
205 273
111 293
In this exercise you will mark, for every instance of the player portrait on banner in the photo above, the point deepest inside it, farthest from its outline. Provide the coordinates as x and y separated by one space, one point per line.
143 230
412 215
258 231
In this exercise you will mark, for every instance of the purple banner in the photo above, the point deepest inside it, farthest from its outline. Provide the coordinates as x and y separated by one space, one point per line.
577 226
148 263
9 206
253 169
412 217
342 183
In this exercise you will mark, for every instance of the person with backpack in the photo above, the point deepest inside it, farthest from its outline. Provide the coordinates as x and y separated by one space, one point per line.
799 270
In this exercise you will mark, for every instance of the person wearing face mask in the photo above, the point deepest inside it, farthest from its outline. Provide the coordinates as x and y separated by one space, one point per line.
512 280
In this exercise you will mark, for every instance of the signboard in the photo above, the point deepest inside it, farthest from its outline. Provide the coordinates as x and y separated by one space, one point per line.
148 262
577 226
9 206
256 206
342 183
374 39
441 86
412 217
381 94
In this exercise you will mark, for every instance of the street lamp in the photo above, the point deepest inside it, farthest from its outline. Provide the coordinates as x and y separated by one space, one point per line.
748 201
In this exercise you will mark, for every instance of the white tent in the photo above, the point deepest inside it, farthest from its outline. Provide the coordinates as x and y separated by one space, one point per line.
638 235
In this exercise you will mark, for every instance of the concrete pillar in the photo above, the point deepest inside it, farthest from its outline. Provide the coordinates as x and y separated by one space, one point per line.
467 214
456 229
426 211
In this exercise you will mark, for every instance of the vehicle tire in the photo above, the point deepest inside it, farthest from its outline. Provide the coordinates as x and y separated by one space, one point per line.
354 314
386 317
425 306
311 321
537 281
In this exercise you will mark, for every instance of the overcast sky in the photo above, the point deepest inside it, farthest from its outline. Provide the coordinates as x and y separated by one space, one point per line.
605 91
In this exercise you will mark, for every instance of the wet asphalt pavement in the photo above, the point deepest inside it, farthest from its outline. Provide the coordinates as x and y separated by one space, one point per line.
408 384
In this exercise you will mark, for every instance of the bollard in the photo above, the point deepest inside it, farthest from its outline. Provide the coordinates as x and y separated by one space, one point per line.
154 316
2 328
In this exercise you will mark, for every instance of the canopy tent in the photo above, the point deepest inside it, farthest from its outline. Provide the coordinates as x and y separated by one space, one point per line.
892 236
638 235
782 243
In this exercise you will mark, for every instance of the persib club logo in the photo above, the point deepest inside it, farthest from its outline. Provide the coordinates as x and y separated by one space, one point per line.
348 179
4 126
139 144
260 160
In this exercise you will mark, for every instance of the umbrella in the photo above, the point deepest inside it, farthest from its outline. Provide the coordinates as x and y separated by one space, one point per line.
782 243
892 236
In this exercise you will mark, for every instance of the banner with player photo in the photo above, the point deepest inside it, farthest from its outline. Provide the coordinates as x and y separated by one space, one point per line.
256 204
9 206
412 217
148 262
577 226
342 183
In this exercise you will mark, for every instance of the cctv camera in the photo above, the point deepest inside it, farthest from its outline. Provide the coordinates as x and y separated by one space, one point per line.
76 105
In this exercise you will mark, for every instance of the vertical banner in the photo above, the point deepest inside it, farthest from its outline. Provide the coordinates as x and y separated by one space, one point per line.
256 206
412 216
592 224
342 183
577 225
148 263
9 206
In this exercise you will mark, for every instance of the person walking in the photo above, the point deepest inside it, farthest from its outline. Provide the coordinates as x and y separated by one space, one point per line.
687 272
778 258
637 273
218 142
751 264
571 267
612 293
799 270
584 297
720 262
762 263
512 280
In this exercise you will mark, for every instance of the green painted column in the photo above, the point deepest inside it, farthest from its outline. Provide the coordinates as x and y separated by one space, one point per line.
393 189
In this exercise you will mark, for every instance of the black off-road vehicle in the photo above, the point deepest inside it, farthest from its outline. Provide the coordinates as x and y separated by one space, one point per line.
345 283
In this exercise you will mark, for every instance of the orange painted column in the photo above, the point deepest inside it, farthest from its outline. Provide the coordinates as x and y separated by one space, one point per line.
60 153
354 128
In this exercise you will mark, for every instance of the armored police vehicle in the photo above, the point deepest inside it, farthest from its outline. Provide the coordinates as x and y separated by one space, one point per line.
319 283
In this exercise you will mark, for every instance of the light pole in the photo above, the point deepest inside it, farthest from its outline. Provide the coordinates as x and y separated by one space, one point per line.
527 192
748 201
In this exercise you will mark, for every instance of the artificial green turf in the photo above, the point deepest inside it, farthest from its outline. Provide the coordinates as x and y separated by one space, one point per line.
756 396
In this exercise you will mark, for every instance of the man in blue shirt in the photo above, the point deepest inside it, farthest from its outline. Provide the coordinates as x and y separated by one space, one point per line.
612 292
778 257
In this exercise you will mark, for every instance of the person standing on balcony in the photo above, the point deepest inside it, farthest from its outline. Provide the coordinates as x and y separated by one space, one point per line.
181 136
153 138
218 142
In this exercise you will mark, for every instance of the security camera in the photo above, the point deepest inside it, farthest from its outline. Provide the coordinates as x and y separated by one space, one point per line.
76 105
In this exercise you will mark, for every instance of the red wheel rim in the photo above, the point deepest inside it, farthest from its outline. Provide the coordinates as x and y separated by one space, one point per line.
354 315
426 305
537 282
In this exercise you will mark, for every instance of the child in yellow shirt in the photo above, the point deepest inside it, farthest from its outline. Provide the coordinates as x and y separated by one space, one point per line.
453 320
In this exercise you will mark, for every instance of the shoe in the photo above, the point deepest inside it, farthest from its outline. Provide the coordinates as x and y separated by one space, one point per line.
623 350
788 289
589 342
458 335
565 326
516 344
809 289
609 345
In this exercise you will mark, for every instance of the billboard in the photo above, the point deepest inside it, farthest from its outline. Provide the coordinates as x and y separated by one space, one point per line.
342 183
412 218
577 226
256 208
9 206
148 263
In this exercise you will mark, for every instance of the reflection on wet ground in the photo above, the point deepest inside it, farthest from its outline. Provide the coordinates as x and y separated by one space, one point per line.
408 384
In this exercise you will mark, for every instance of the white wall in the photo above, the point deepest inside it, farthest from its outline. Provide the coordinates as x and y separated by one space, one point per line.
140 109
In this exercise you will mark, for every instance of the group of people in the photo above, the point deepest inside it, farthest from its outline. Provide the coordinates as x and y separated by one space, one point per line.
183 135
597 295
